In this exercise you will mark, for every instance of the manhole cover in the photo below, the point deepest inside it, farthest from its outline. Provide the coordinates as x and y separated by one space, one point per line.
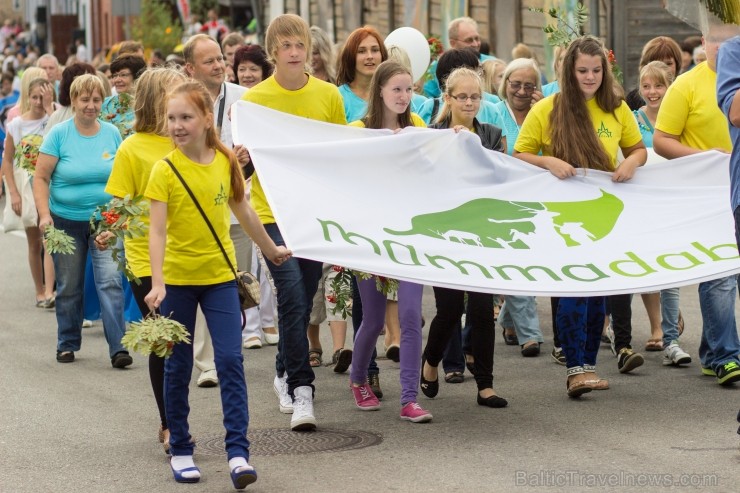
280 441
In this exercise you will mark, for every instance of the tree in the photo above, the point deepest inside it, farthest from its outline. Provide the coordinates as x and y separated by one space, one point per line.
156 28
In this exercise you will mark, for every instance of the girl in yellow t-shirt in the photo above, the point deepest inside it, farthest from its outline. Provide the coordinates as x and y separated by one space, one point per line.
131 169
556 127
189 269
391 90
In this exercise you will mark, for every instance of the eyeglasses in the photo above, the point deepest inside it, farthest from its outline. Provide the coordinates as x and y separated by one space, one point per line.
471 40
121 74
462 98
516 86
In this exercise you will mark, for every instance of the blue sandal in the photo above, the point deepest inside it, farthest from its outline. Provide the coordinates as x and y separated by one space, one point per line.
243 478
182 479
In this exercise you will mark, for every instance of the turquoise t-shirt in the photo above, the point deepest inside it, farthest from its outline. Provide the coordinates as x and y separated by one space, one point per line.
486 113
508 125
551 88
417 101
354 106
83 167
646 129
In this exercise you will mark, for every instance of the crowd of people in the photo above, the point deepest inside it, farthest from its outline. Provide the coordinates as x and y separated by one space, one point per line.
80 135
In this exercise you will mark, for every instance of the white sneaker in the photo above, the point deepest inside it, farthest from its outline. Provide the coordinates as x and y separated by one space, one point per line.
271 339
280 386
674 355
208 378
303 418
252 343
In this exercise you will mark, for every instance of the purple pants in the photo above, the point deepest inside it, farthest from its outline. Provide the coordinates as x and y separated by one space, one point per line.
373 319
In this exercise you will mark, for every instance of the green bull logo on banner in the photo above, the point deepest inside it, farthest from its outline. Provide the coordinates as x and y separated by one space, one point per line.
493 223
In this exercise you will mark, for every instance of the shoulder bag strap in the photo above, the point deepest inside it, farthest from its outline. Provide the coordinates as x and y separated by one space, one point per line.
202 213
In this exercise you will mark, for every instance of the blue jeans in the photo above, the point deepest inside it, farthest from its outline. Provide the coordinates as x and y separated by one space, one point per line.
520 313
296 282
669 302
719 340
580 323
70 273
220 306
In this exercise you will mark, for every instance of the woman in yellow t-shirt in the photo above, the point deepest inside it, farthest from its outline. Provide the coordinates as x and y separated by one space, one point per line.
131 169
391 90
189 269
555 127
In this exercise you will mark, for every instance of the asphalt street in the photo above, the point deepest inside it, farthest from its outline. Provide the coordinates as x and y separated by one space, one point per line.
86 427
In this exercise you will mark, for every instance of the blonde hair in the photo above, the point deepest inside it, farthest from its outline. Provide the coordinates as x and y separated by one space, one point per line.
398 54
39 82
85 84
320 40
283 27
150 108
657 71
456 76
28 76
106 84
489 74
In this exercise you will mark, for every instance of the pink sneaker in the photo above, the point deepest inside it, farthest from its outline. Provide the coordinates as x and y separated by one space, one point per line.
364 397
415 413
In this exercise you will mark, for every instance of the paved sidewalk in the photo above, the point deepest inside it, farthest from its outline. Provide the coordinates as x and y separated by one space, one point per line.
86 427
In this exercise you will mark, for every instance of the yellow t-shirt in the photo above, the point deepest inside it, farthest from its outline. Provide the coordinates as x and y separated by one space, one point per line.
192 256
615 130
317 100
689 110
131 169
416 120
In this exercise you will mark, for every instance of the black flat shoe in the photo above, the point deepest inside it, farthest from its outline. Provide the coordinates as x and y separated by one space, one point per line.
429 388
510 339
531 350
492 401
65 356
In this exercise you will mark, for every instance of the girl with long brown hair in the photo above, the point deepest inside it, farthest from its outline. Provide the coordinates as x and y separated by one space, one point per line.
389 107
189 269
558 128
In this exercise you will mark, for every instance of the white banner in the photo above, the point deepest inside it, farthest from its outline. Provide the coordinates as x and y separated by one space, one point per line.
435 207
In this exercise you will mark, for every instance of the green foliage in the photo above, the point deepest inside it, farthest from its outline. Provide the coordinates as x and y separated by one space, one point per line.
57 241
563 32
156 28
201 7
341 288
156 334
726 10
122 219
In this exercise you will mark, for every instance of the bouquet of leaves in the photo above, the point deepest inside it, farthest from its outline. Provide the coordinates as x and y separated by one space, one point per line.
563 32
155 334
122 217
341 288
57 241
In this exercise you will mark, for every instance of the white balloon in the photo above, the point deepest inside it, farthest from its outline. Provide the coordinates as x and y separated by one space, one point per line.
416 47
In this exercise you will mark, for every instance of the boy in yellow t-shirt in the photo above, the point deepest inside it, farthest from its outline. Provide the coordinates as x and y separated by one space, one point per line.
689 122
292 90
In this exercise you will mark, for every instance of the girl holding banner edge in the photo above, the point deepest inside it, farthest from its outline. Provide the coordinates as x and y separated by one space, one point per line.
391 89
463 92
555 127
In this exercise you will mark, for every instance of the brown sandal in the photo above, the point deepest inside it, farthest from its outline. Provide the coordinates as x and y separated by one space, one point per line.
654 345
598 384
314 357
577 389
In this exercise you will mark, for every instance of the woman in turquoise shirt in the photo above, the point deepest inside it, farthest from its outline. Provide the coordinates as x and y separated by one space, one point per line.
358 60
520 89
